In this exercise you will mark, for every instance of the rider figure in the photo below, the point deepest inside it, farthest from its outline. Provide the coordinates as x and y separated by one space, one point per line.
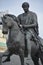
28 22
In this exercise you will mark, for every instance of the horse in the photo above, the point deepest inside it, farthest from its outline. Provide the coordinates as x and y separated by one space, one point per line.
16 42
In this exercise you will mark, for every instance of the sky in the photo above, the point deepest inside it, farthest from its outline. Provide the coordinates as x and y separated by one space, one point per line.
15 7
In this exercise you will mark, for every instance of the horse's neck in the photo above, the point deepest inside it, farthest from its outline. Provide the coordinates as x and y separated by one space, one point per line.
16 27
14 30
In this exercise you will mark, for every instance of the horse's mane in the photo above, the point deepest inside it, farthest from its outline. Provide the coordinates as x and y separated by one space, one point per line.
12 16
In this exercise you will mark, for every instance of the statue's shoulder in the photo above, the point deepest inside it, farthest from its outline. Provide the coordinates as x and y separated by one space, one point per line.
20 15
33 14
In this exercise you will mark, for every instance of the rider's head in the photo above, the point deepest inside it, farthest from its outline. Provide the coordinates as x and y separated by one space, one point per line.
25 6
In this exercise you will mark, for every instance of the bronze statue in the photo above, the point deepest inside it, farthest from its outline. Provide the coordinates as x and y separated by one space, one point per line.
24 26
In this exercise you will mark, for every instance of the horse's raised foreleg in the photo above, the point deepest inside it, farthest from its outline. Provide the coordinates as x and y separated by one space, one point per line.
21 54
8 58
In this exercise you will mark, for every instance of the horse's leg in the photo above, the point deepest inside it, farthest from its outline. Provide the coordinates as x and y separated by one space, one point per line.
35 58
41 60
8 58
21 54
41 57
35 54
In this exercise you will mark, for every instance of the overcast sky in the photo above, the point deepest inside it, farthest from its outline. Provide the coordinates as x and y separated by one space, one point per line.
14 7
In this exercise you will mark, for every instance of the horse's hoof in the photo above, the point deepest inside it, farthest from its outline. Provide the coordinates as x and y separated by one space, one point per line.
7 60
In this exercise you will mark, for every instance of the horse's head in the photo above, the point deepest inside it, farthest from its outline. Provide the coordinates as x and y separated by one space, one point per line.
7 21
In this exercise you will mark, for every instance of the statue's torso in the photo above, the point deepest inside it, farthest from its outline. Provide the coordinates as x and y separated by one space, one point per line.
26 19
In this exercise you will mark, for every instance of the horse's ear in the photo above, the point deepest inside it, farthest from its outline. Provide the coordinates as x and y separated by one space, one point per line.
1 17
4 17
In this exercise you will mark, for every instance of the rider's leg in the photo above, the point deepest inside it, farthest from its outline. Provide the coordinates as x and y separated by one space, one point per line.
28 36
26 50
